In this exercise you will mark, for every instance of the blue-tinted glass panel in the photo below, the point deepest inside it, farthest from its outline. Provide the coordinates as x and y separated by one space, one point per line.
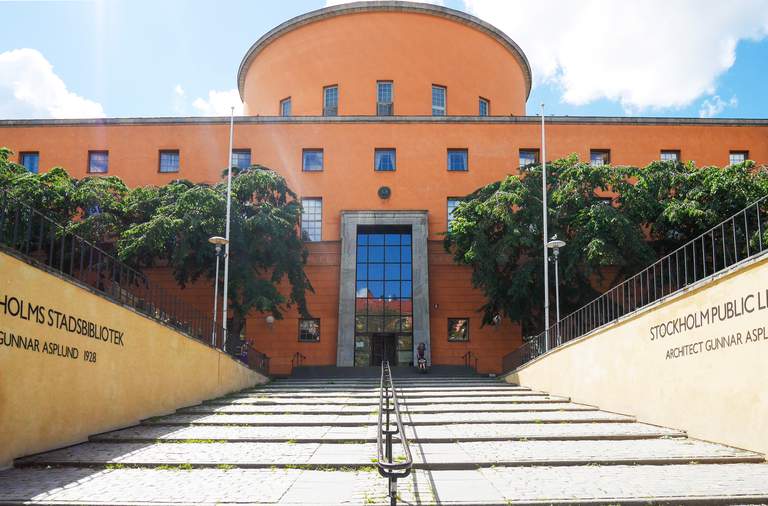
405 239
405 253
392 271
30 161
384 160
362 239
169 161
376 289
312 160
361 290
405 271
241 158
98 162
375 253
362 270
405 292
457 160
392 289
392 254
376 239
376 271
362 254
392 240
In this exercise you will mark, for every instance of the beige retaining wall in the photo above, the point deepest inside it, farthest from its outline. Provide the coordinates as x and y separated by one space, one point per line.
64 386
710 379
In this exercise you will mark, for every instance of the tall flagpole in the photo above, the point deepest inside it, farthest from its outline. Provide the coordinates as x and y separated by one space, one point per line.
225 302
544 228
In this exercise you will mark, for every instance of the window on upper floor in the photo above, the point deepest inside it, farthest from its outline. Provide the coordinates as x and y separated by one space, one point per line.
331 100
484 107
311 218
670 155
30 160
241 158
438 100
98 162
735 157
458 160
598 157
384 159
285 107
309 330
453 203
169 160
529 156
458 329
312 160
384 98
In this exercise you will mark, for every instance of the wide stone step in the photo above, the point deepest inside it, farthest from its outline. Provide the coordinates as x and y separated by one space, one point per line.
669 484
460 455
375 395
309 409
374 401
367 433
408 419
404 388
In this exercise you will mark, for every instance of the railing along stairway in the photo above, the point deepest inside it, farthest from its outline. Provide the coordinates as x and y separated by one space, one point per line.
390 425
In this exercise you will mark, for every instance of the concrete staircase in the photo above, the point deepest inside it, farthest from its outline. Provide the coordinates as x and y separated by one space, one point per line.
312 441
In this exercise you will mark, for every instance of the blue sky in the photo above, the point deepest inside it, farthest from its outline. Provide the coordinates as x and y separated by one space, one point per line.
135 57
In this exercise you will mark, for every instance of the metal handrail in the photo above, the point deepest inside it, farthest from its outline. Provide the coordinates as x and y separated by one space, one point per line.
389 467
469 357
738 238
256 360
297 359
27 232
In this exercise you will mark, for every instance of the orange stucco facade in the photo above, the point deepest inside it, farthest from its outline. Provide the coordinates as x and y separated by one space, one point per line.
353 47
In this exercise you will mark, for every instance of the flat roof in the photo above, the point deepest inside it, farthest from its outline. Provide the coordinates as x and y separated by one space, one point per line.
385 6
502 120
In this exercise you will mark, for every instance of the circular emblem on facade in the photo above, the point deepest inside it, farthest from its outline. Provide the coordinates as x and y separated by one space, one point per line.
384 192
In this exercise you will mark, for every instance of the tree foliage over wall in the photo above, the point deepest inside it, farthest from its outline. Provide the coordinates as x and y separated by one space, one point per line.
171 225
615 220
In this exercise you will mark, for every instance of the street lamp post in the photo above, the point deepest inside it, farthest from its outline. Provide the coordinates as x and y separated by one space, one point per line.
555 244
544 228
218 242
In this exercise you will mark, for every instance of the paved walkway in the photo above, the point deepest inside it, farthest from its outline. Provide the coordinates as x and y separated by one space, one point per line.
474 441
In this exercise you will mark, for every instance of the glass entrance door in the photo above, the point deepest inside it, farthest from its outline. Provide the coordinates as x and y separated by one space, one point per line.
383 298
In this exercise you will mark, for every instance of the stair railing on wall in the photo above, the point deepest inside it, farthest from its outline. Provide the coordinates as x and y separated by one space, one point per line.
739 238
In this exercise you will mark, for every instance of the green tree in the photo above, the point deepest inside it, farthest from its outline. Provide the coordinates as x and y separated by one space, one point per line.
173 224
497 232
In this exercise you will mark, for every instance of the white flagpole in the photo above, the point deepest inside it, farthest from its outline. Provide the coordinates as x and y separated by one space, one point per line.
545 233
225 303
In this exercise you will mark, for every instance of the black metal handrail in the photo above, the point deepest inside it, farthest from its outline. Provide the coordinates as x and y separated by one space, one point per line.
297 360
470 360
44 242
256 360
391 467
734 240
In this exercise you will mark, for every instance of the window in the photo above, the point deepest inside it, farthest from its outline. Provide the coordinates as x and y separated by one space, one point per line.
735 157
453 202
312 160
457 160
529 157
285 107
438 100
309 329
384 105
98 162
670 155
598 157
311 218
331 100
241 158
484 107
458 329
169 160
384 159
30 160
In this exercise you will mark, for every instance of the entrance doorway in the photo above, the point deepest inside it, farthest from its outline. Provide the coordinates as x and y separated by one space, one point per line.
383 347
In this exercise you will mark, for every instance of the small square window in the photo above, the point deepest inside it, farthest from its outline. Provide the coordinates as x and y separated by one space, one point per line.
384 159
309 330
331 100
735 157
670 155
312 160
169 160
458 329
438 100
30 160
311 218
241 158
484 107
529 157
599 157
98 162
458 160
285 107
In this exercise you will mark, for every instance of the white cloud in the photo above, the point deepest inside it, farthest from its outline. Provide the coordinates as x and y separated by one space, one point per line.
29 88
644 54
714 105
218 103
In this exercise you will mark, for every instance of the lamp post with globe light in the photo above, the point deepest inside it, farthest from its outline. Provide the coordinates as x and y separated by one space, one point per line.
555 244
218 242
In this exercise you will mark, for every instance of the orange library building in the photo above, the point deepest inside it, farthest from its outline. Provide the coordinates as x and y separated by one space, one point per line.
380 136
